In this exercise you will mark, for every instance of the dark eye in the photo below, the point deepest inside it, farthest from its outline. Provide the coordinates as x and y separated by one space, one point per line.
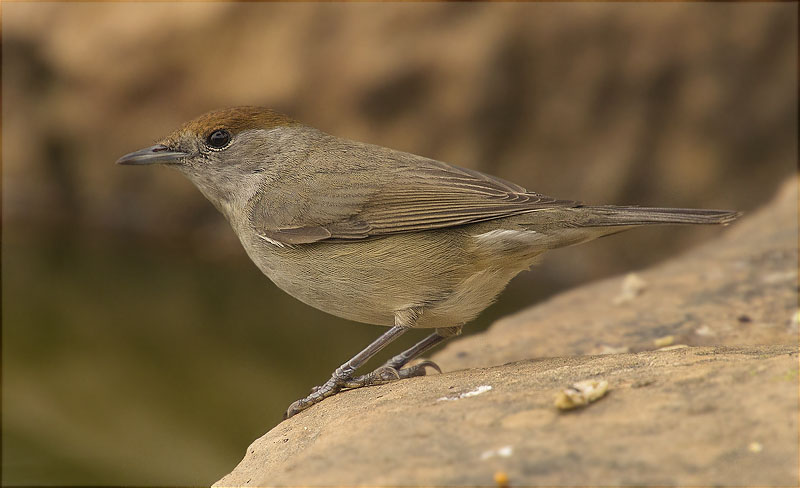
219 138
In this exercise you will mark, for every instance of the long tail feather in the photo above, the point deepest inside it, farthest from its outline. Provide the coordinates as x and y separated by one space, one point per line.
610 215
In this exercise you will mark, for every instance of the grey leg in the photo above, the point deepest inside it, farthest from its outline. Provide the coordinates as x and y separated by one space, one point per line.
391 370
344 373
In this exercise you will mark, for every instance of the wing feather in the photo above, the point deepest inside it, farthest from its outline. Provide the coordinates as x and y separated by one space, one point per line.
417 194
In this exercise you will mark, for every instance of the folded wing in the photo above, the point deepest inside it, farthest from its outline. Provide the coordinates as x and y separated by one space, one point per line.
412 196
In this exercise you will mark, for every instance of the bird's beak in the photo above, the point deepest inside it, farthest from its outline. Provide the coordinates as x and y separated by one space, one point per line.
152 155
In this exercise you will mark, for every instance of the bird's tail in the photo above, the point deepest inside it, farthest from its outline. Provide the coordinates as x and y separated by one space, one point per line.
568 226
614 216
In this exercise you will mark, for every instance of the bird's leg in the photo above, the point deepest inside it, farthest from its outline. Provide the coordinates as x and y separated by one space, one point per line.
344 373
391 370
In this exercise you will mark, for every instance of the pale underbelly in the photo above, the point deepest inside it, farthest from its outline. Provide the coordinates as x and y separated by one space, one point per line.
369 281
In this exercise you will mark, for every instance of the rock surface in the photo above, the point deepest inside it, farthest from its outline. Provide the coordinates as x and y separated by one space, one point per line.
701 358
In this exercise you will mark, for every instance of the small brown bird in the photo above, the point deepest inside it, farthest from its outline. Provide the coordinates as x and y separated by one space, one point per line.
376 235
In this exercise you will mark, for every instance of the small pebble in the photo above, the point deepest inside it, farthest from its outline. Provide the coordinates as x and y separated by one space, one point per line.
501 479
755 447
704 330
632 286
779 277
581 394
794 324
664 341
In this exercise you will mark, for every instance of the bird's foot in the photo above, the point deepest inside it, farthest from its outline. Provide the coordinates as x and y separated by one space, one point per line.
382 375
387 373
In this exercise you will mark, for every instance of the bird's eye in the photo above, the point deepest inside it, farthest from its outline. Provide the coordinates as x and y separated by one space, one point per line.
219 138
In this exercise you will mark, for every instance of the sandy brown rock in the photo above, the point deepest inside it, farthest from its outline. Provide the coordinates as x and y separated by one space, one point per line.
689 416
717 405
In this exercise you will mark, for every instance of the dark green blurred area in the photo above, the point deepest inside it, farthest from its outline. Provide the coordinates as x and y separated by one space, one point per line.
140 345
125 362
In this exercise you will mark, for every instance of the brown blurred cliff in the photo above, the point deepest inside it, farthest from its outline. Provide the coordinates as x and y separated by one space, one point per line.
140 346
674 105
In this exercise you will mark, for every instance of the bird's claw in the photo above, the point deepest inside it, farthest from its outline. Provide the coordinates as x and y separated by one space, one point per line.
386 374
382 375
419 368
318 393
295 408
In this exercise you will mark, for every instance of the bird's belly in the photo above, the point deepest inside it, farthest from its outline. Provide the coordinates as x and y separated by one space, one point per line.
368 281
469 298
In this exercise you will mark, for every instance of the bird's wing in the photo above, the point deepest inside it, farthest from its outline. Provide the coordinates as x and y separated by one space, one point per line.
411 196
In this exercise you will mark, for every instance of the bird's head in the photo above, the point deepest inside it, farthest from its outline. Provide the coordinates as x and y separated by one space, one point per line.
221 136
224 152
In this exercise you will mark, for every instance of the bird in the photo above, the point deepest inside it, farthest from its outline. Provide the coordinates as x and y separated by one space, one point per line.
376 235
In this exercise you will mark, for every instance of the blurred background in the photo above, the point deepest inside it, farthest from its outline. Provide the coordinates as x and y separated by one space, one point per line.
139 344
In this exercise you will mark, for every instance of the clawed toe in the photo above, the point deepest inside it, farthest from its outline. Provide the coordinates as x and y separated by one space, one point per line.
380 376
419 369
386 374
318 393
294 408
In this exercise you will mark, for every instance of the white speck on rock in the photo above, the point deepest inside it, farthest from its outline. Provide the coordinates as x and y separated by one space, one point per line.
505 451
477 391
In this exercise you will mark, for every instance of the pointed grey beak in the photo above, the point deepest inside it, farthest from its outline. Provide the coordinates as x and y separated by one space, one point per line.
152 155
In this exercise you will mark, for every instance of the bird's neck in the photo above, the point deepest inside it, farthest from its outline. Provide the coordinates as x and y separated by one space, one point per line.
228 193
